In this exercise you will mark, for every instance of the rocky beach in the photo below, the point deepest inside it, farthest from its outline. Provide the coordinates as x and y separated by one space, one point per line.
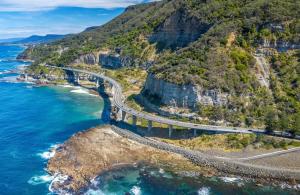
88 154
91 153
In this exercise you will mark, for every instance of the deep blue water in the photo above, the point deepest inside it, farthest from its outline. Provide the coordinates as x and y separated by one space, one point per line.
34 119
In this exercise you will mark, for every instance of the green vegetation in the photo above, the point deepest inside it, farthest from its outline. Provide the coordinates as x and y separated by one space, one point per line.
234 142
221 58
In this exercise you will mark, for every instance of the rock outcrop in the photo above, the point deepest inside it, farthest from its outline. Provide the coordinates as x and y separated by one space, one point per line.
279 45
111 60
178 30
90 59
88 154
188 96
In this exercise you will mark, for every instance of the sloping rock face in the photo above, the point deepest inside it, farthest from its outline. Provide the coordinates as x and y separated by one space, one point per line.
114 61
279 45
187 96
90 59
178 30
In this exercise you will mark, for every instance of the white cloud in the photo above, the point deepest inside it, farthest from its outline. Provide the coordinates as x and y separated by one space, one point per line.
37 5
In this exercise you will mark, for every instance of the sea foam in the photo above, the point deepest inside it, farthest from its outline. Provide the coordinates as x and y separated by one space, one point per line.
58 178
49 153
82 91
136 190
40 179
229 179
67 86
204 191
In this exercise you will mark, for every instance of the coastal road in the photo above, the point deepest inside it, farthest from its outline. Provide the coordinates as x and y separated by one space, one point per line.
266 155
118 101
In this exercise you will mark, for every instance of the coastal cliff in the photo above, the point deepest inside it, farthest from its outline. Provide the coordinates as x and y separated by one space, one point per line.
188 96
90 59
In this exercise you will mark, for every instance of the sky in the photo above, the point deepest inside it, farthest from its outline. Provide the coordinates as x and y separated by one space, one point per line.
23 18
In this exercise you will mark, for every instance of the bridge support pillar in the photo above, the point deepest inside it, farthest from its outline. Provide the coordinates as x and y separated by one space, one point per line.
123 115
149 126
76 78
170 130
97 83
134 120
195 132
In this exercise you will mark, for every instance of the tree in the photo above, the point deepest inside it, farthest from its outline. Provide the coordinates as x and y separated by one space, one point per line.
271 120
283 123
296 125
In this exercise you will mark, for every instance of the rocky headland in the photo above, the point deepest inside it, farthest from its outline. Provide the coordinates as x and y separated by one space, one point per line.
88 154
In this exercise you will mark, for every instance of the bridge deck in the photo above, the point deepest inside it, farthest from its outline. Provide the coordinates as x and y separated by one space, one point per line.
118 101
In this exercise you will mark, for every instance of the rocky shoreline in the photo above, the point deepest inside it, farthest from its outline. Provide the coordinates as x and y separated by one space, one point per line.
88 154
225 166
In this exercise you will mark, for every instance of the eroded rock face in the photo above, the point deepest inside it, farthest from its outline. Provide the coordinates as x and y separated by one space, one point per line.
114 61
178 30
188 96
279 45
90 59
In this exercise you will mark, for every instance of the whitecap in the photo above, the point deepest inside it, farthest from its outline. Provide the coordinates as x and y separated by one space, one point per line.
67 86
22 67
82 91
204 191
49 153
94 192
57 178
40 179
136 190
161 171
230 179
11 79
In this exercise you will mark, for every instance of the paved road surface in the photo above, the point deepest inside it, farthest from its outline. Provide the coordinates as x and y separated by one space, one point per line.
118 100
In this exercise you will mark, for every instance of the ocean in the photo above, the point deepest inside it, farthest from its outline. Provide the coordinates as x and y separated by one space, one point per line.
35 119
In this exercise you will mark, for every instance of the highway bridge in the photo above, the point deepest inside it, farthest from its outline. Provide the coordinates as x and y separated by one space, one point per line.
118 101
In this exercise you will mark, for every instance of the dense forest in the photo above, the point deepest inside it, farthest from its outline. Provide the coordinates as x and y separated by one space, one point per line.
214 46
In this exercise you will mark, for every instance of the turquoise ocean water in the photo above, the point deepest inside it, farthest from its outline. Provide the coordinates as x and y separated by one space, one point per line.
34 119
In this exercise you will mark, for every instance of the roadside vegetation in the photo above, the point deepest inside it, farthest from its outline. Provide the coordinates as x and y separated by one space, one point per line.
233 142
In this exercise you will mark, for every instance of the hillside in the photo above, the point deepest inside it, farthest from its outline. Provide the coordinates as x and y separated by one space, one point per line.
231 62
36 39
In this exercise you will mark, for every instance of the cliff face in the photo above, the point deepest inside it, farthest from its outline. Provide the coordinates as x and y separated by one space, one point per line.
114 61
279 45
178 30
188 96
90 59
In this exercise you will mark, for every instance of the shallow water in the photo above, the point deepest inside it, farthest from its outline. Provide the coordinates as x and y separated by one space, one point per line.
35 119
148 180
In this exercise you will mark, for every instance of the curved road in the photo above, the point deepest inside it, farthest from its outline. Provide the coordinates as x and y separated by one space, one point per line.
118 100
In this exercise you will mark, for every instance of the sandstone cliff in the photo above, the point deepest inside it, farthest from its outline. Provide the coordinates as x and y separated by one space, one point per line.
189 96
90 59
178 30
